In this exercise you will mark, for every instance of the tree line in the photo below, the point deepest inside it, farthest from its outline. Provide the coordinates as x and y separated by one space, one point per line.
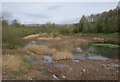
106 22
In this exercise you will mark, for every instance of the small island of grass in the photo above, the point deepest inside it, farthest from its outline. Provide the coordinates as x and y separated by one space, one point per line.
106 45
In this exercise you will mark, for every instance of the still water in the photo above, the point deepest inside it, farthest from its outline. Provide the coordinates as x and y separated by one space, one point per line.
86 52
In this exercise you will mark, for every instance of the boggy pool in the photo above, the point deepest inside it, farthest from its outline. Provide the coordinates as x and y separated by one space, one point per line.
90 51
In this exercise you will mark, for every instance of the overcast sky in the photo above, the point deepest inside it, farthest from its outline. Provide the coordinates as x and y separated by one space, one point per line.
54 12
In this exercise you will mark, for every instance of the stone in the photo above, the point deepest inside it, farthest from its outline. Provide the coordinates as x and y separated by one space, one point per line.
83 70
63 77
76 61
79 49
54 76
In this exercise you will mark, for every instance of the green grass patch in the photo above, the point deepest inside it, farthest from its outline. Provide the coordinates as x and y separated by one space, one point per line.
107 45
18 73
91 54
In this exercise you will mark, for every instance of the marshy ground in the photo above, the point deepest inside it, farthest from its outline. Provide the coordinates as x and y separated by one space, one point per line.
44 57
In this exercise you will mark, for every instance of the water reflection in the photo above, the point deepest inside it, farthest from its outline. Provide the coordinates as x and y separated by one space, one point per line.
93 57
46 59
98 58
111 53
85 52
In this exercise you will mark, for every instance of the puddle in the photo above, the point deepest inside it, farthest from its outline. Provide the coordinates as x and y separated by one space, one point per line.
99 57
111 53
79 57
95 57
29 58
46 59
100 52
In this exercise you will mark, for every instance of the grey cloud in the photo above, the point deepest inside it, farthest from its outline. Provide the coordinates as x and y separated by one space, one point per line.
36 15
7 15
53 7
71 20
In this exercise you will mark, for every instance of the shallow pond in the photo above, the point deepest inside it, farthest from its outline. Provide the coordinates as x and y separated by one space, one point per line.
47 61
101 51
93 52
92 57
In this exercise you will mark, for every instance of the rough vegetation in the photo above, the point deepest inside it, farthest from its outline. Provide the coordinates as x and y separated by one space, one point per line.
107 45
59 42
12 62
62 56
37 51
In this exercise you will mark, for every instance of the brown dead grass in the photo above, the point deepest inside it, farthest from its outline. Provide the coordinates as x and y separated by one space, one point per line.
12 62
62 56
38 51
52 51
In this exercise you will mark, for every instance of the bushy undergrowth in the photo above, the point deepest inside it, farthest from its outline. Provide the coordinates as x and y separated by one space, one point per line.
12 36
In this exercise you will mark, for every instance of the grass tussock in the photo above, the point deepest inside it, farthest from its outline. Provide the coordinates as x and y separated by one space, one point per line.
52 51
12 62
38 51
62 56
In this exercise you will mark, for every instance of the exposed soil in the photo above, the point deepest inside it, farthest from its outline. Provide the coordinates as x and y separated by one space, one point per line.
72 70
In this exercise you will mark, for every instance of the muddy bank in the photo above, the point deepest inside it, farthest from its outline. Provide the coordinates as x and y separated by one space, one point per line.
82 70
72 70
